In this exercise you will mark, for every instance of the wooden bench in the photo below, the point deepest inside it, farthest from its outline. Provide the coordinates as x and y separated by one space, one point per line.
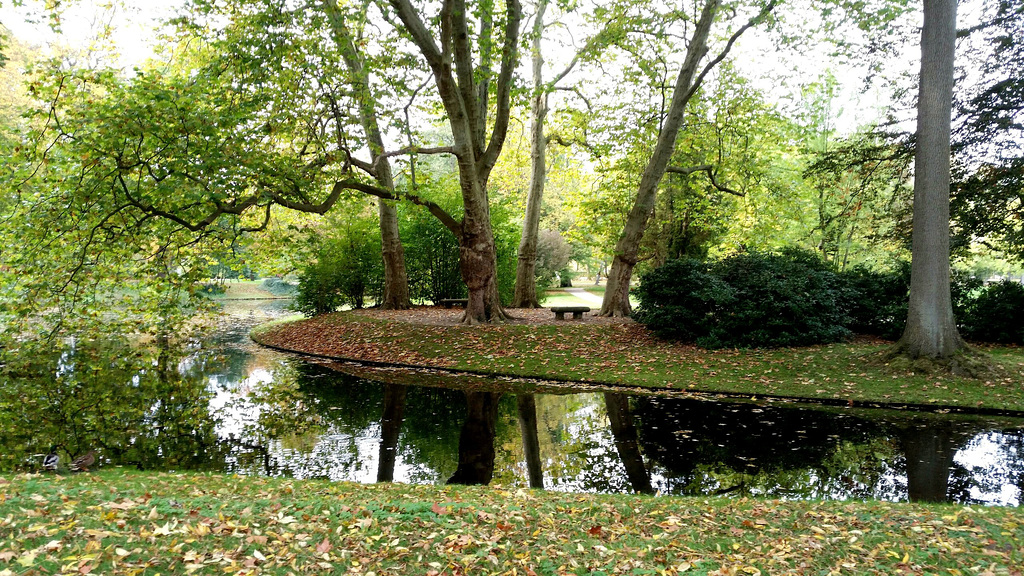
449 302
577 311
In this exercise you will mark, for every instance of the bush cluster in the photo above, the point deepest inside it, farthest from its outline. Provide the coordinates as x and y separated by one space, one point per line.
746 300
795 299
346 266
278 286
346 270
879 298
996 314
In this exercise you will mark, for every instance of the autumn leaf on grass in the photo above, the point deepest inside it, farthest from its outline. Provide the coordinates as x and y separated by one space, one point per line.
439 510
324 546
594 531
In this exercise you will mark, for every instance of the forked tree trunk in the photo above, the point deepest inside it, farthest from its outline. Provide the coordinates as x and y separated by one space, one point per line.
465 90
396 280
526 268
616 296
931 329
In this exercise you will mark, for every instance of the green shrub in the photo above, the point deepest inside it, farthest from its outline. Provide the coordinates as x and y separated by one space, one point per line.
278 286
682 300
879 298
347 268
996 314
747 300
787 299
431 256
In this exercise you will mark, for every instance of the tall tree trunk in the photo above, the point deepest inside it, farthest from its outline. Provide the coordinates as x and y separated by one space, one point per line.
476 440
616 296
390 428
527 407
931 330
626 442
478 262
396 280
526 276
929 451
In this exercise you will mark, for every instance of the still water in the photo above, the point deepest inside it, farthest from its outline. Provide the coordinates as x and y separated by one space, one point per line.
229 405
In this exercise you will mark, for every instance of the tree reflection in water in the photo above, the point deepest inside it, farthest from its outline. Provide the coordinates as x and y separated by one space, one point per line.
128 402
249 411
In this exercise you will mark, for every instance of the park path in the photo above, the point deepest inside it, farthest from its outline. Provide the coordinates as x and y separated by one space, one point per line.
589 298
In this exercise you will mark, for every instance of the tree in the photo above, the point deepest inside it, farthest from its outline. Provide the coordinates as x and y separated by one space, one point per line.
255 116
396 280
525 290
464 90
616 298
931 329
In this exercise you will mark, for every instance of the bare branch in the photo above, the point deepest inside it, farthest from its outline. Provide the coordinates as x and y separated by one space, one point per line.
578 93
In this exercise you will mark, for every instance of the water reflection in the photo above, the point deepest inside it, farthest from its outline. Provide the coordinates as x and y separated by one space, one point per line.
234 407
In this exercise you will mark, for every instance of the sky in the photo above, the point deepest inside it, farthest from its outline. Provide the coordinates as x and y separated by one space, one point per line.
134 35
80 24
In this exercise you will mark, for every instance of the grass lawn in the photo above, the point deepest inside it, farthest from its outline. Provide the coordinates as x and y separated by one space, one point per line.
128 522
244 290
627 355
560 298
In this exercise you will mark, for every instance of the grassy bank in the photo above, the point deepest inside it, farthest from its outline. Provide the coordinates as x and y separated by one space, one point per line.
127 522
626 354
249 290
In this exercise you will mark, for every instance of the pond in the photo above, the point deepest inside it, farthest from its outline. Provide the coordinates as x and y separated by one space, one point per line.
232 406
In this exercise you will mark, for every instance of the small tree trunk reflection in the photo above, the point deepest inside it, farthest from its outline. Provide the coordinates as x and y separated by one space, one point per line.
929 451
626 443
527 406
390 427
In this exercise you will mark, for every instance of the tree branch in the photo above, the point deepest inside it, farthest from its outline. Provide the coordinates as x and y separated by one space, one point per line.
418 31
509 53
711 176
438 212
754 21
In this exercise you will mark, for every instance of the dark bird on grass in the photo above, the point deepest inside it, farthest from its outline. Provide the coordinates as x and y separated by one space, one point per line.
51 459
83 462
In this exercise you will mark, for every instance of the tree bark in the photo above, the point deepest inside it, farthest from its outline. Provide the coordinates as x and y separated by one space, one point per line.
931 329
527 407
390 429
626 442
526 275
396 280
616 296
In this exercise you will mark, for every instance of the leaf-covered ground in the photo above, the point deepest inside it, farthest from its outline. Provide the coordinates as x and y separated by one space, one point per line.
625 353
127 522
